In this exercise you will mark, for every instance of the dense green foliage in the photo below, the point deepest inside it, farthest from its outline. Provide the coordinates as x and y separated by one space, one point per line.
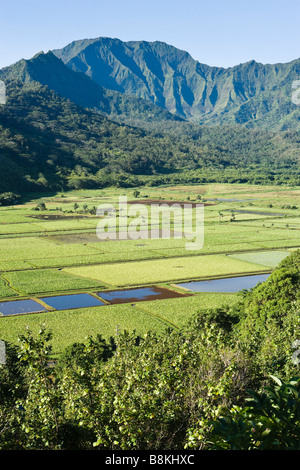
47 142
181 389
269 421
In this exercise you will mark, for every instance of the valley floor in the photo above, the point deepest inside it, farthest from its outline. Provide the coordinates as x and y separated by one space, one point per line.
248 230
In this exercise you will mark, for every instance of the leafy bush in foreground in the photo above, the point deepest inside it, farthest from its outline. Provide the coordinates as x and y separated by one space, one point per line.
269 420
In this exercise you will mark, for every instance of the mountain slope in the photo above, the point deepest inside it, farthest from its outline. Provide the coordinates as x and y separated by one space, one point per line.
250 94
56 129
50 71
49 143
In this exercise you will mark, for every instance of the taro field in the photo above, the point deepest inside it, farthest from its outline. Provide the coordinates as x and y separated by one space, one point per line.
55 252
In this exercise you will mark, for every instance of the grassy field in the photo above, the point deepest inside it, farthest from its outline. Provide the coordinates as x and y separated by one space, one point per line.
166 270
179 311
265 258
47 281
57 251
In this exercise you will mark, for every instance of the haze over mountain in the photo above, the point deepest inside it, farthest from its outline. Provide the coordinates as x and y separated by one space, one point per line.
251 94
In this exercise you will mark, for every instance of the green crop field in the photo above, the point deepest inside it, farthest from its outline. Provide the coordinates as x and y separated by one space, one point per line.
178 311
162 270
46 281
57 251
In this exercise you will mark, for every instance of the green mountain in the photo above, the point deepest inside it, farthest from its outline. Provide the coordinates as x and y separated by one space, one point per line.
60 128
249 94
50 71
47 142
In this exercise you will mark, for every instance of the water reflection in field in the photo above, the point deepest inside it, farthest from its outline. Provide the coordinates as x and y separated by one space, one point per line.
233 284
64 302
139 294
18 307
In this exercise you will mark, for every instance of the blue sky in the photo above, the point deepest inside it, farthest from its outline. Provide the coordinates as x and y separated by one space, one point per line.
222 33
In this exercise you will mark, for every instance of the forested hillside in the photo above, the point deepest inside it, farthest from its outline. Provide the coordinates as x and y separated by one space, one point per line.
49 143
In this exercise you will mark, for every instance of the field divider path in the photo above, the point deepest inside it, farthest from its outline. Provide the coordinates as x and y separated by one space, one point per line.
155 315
14 289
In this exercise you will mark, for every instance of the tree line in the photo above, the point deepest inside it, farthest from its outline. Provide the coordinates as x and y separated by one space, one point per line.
49 143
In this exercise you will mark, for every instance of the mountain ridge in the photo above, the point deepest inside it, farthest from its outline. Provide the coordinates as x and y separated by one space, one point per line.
172 79
50 71
61 127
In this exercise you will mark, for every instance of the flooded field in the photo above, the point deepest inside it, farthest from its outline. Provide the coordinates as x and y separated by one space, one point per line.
85 300
65 302
154 234
19 307
241 211
137 295
221 199
231 284
74 238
